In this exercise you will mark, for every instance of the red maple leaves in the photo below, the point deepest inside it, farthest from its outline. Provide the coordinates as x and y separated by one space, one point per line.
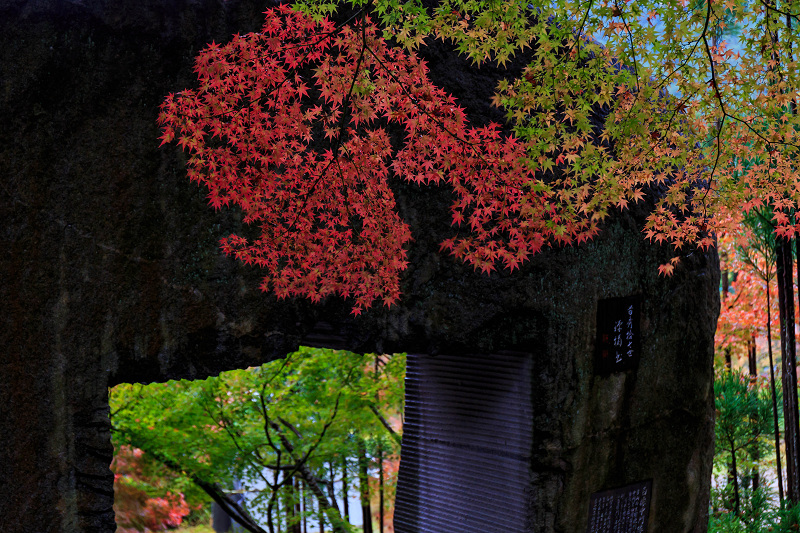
134 509
292 124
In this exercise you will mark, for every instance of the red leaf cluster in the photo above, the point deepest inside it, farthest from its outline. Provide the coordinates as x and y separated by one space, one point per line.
134 509
293 124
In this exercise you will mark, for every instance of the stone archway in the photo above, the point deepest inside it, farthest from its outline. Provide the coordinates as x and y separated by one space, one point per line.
110 272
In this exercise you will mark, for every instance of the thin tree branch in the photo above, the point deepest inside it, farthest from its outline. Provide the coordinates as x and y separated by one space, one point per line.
386 424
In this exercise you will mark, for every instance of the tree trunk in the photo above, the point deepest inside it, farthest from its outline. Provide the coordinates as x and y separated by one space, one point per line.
304 502
752 364
380 488
725 289
786 305
380 463
774 400
735 481
293 507
791 417
325 504
363 482
277 504
332 484
346 490
727 351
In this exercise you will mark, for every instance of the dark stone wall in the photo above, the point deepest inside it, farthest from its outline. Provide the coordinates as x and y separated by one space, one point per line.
656 422
110 272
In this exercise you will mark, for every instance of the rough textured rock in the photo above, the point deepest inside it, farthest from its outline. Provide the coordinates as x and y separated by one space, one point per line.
110 272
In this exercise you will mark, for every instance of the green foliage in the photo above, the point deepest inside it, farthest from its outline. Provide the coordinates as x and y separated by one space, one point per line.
758 251
264 425
744 444
757 512
744 413
763 518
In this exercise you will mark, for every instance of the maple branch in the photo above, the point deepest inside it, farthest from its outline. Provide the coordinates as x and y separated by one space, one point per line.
385 423
337 143
226 425
585 18
793 102
267 422
346 203
255 451
375 410
717 95
768 142
770 7
750 128
313 481
434 118
630 166
579 32
299 464
633 49
327 425
341 124
411 97
629 32
733 303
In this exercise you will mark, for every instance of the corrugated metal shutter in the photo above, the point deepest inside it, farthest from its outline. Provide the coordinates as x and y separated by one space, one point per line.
467 437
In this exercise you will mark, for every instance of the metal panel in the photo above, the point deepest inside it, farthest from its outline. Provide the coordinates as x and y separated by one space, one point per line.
467 437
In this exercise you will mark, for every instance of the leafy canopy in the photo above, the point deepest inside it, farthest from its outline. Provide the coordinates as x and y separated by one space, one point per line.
297 125
265 426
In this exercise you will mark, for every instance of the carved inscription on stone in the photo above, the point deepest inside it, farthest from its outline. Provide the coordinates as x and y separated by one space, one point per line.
621 510
618 334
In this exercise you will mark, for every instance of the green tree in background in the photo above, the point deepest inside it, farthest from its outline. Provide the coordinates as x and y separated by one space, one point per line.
283 430
744 421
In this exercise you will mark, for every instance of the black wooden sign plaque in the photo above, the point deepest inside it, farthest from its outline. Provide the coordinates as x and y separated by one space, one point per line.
622 510
618 335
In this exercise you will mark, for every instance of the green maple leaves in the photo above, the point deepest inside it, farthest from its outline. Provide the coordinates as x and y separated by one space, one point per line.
311 408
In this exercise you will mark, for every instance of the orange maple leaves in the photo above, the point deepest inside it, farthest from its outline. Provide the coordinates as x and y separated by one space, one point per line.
293 124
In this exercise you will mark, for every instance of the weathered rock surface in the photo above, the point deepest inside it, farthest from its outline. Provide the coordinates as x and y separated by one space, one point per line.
110 272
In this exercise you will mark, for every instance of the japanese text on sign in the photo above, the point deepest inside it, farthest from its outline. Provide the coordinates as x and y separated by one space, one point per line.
622 510
618 342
